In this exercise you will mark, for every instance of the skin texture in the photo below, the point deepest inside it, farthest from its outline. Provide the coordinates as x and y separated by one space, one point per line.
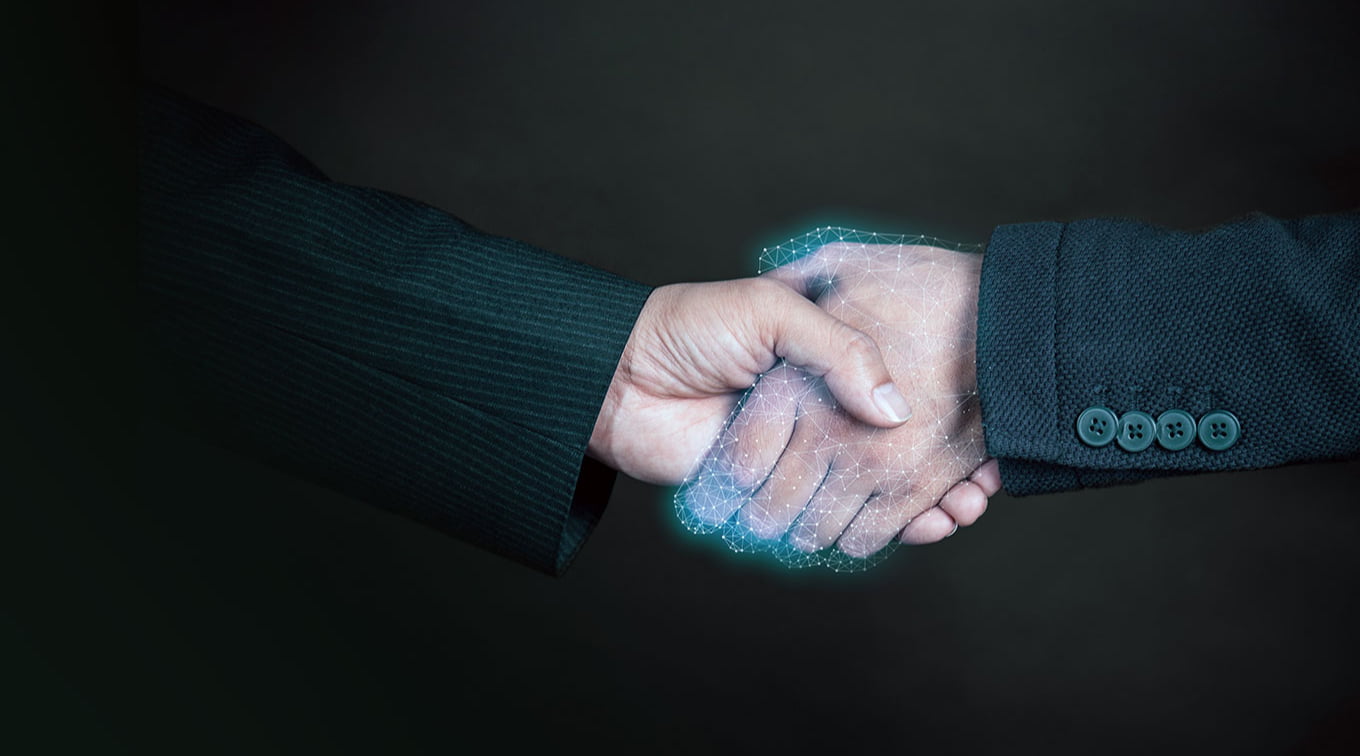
696 347
815 476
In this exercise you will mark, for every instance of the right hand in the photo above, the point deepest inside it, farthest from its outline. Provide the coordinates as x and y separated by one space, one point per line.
696 347
793 464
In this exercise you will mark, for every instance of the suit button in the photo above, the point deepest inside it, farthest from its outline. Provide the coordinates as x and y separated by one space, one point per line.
1219 429
1175 429
1136 431
1096 426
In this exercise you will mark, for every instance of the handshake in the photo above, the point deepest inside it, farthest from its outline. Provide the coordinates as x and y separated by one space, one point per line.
822 411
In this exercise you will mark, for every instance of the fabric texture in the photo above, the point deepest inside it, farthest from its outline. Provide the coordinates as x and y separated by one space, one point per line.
371 343
1259 316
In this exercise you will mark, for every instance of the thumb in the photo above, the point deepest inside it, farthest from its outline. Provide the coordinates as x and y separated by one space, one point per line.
847 359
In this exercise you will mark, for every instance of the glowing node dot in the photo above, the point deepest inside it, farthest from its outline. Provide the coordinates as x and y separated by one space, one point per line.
712 501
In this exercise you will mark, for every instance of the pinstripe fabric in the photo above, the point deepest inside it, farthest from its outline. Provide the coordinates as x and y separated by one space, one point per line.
1260 317
372 343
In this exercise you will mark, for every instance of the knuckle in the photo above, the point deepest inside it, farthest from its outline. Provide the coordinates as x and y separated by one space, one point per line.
766 290
856 343
854 546
826 537
746 476
803 538
758 522
708 504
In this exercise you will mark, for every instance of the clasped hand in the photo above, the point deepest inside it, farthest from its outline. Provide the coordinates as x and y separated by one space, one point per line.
861 423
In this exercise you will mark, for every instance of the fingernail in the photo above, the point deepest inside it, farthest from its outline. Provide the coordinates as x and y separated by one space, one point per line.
955 530
891 403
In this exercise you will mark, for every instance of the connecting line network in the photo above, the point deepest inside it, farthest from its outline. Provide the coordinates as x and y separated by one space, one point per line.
724 495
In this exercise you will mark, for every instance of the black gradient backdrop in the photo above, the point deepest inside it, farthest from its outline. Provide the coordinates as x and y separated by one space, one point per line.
225 607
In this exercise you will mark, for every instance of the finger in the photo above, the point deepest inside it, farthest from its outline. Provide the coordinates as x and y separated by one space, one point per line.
965 502
847 359
708 501
763 426
876 524
797 475
746 450
988 477
830 511
931 526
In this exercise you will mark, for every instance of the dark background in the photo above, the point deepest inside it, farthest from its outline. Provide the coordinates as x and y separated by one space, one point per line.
172 596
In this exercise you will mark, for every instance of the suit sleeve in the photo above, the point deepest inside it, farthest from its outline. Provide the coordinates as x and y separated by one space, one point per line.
370 343
1259 317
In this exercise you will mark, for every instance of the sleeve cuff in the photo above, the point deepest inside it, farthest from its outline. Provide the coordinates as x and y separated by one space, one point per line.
1017 385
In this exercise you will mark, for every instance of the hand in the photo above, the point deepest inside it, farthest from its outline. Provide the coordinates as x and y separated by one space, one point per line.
794 465
695 347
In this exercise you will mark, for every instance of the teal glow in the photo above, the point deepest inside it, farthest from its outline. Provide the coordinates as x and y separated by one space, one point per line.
711 500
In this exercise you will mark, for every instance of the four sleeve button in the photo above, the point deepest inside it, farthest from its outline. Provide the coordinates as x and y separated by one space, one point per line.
1136 431
1096 426
1175 429
1219 430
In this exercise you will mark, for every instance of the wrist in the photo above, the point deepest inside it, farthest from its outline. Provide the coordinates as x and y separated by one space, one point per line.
604 436
599 447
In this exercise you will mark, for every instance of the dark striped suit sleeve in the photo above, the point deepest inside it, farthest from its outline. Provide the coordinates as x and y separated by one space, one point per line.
370 343
1260 317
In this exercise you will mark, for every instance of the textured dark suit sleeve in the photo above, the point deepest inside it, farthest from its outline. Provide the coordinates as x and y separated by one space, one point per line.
373 344
1260 317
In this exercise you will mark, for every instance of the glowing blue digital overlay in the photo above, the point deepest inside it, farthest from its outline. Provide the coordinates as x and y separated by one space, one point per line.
711 500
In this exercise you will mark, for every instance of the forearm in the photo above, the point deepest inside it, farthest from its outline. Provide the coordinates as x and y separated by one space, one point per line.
1258 317
373 343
